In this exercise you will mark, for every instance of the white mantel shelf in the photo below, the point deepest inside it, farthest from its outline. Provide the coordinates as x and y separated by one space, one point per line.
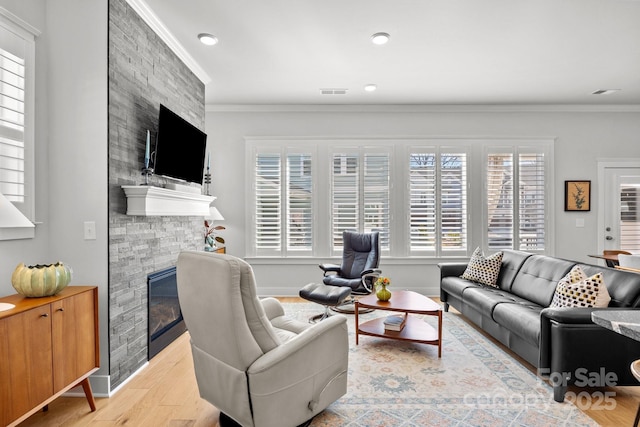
146 200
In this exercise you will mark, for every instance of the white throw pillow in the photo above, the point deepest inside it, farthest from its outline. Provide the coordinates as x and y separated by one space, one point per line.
483 270
577 290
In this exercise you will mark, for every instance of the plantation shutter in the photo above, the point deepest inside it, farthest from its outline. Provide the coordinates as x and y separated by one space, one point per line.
422 201
376 196
453 196
532 202
360 195
12 137
438 206
500 203
629 216
268 202
345 196
299 203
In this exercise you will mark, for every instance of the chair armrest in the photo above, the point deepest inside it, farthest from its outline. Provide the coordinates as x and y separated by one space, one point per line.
452 269
272 308
329 268
312 349
303 375
372 272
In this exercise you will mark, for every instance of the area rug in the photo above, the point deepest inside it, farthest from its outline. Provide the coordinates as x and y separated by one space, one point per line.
475 383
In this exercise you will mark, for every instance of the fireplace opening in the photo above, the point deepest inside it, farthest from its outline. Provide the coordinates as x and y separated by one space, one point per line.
165 318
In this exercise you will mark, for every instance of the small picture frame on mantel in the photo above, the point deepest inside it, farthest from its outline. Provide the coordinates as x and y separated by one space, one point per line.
577 196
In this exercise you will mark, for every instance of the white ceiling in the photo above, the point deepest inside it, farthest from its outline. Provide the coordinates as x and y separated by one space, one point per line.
440 52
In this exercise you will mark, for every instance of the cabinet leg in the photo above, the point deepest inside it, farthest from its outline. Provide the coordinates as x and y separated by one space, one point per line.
86 386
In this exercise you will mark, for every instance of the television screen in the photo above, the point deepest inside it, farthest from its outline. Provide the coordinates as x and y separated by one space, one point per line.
180 148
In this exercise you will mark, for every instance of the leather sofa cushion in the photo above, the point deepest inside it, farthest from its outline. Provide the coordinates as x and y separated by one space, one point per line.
511 263
485 298
522 318
342 281
454 285
622 286
537 279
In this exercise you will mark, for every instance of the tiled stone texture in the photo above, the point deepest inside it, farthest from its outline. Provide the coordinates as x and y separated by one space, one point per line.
143 73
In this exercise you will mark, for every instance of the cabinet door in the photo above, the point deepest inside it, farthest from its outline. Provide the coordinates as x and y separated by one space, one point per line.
74 338
26 377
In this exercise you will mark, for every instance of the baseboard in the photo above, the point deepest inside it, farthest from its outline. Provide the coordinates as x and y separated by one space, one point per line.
281 291
101 385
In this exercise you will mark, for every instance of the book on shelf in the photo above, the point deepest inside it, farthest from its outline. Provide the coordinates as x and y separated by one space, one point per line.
395 322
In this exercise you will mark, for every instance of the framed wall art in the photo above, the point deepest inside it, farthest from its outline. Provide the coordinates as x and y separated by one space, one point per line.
577 196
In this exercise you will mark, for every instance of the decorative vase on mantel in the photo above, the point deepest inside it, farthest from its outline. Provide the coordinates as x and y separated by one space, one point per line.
382 292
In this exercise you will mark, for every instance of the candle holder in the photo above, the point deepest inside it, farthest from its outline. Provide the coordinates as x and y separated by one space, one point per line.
146 172
207 183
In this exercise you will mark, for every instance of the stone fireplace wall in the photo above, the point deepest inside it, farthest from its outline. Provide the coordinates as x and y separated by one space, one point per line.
143 72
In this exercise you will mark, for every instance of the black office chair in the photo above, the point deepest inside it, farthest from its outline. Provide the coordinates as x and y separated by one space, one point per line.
359 269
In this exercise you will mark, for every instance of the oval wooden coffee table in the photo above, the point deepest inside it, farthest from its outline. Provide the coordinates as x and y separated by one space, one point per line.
408 302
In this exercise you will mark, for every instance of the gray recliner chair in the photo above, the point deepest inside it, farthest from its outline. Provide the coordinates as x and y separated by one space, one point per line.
255 365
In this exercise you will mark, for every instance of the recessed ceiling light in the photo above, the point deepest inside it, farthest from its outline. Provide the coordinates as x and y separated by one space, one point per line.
605 91
380 38
370 87
208 39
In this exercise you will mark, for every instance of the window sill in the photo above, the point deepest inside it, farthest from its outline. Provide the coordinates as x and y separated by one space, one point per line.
17 233
253 260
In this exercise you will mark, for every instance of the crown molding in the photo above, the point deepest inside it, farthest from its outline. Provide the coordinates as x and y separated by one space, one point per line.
148 16
406 108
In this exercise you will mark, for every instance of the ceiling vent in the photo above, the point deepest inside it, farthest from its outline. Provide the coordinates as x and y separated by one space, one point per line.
333 91
605 91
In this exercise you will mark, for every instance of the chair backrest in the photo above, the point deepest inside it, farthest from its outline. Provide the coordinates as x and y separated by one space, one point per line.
227 323
629 260
361 252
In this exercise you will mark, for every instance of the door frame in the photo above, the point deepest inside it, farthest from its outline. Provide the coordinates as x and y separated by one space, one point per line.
603 165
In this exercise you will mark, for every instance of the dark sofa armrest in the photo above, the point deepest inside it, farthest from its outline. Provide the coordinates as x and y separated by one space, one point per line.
568 314
572 345
452 269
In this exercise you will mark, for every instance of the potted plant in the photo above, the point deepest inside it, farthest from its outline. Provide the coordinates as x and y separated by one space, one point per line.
212 240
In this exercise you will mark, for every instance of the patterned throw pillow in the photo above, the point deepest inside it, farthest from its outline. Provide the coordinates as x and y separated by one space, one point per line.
577 290
483 270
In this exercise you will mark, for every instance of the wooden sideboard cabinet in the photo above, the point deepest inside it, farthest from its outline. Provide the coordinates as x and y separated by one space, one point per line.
47 346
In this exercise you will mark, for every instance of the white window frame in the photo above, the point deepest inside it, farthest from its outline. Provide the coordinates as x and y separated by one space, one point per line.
28 34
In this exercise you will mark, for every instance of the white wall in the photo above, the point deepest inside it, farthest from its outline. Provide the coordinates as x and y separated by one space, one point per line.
70 147
78 145
583 135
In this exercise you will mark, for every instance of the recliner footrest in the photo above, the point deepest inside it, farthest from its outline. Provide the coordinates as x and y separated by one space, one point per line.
324 294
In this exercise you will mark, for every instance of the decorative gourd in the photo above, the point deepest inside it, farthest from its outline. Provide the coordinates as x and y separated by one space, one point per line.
40 280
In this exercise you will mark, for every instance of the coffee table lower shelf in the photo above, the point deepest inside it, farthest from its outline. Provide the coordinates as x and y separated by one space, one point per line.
415 330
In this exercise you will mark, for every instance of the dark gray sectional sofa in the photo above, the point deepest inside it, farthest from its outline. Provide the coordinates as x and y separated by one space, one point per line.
563 343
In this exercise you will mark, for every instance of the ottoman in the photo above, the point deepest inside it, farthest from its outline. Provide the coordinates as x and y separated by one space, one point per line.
329 296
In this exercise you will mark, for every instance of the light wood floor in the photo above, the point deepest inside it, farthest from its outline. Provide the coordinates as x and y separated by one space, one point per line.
165 394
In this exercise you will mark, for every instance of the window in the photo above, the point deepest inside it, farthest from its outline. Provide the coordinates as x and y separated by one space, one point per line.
437 201
359 195
17 52
429 198
283 203
516 222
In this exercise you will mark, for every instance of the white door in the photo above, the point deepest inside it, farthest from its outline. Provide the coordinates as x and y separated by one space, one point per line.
620 196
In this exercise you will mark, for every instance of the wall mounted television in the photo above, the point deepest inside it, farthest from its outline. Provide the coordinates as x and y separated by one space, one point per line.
180 148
